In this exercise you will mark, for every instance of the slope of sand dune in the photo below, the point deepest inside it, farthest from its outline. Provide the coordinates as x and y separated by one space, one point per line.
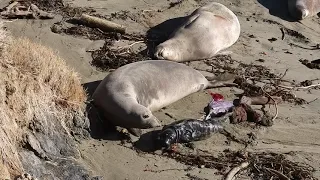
296 129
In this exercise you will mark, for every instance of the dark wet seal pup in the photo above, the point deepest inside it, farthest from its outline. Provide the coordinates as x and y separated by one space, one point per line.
185 131
302 9
204 34
128 96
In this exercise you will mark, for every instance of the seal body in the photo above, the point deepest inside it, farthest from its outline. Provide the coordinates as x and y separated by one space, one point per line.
207 31
185 131
130 94
302 9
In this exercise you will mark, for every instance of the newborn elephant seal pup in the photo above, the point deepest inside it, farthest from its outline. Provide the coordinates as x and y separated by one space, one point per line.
132 92
302 9
207 31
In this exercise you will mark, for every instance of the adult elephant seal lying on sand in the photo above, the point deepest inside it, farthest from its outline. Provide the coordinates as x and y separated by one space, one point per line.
130 93
207 31
302 9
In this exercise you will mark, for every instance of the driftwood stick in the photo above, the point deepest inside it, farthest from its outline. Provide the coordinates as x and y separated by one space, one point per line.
235 170
10 6
40 13
102 24
279 174
261 100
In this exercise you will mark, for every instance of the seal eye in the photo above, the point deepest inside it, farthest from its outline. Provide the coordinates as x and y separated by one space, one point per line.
145 116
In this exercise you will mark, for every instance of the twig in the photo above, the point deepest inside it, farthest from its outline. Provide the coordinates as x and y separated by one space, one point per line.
297 88
130 45
275 104
312 100
283 34
279 174
235 170
159 171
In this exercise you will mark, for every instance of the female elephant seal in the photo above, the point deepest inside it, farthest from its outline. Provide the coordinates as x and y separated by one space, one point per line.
302 9
207 31
130 93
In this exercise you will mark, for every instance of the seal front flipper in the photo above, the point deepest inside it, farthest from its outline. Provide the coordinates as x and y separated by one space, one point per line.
135 131
222 80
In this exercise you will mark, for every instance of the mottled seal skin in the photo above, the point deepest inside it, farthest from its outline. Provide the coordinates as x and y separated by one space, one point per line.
132 92
185 131
205 33
301 9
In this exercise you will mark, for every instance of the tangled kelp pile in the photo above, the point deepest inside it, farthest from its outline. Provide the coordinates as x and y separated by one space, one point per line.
255 80
261 165
38 93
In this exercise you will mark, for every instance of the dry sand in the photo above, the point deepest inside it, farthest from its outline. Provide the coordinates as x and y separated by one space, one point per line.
297 128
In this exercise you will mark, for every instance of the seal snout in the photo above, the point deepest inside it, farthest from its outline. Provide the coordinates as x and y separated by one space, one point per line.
163 52
166 138
301 12
160 53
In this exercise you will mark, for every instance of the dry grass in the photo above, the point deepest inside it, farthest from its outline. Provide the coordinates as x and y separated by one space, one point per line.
34 84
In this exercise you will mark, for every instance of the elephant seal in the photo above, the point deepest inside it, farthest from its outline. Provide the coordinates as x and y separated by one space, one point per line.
132 92
205 33
302 9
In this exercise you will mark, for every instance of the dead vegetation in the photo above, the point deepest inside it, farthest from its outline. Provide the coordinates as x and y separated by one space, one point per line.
262 165
255 80
35 86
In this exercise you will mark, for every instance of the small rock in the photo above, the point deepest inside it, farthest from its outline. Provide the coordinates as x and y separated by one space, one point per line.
97 178
272 39
252 36
260 60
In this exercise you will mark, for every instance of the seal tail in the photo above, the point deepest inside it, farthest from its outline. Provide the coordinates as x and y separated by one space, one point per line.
223 80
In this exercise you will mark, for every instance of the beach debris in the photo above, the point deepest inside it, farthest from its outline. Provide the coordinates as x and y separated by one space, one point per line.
26 176
107 58
272 39
185 131
218 106
235 170
251 78
283 33
312 65
103 24
259 165
18 10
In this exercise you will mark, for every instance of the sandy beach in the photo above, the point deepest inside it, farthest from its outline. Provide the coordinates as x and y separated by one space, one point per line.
295 132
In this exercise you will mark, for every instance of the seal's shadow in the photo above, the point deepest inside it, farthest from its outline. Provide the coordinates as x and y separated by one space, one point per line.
161 32
99 129
278 8
147 142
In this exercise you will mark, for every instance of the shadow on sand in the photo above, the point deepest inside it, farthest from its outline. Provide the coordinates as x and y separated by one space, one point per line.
161 33
278 8
147 142
99 128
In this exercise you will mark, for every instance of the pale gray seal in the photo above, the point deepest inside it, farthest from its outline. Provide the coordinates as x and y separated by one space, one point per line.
205 33
302 9
132 92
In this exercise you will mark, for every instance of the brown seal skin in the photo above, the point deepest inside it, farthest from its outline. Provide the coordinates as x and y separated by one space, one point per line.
301 9
204 34
128 96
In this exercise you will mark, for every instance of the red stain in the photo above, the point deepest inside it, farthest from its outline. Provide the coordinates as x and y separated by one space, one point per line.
216 96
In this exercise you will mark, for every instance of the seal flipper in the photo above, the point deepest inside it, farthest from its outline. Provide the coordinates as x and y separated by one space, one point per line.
223 80
223 53
135 131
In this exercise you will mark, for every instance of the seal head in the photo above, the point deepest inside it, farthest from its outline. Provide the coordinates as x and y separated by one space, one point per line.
143 118
166 138
167 51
